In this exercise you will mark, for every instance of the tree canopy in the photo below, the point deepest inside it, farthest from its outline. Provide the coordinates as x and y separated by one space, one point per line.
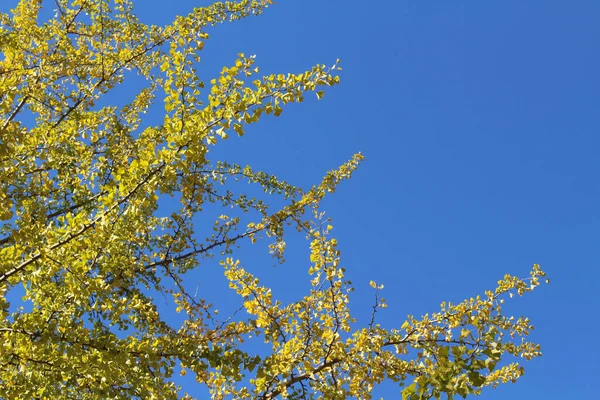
80 231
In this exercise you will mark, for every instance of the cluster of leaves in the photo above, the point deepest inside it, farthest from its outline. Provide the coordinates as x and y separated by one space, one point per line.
80 186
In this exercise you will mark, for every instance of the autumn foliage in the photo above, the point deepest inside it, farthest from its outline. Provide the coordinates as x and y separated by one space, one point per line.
80 185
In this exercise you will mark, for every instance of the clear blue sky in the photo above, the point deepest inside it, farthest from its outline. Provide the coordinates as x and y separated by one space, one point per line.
479 123
480 126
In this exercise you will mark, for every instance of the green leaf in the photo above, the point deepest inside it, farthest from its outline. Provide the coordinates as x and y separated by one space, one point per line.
476 378
239 129
408 391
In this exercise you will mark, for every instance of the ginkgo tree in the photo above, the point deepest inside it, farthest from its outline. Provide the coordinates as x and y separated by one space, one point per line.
80 233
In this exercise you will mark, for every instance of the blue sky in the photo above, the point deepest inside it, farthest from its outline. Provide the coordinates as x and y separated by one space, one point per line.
479 125
478 122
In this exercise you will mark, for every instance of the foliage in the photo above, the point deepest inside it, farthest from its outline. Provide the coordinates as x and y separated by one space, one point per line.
80 185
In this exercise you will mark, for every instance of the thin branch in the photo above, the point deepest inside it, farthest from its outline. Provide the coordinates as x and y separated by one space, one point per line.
299 378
